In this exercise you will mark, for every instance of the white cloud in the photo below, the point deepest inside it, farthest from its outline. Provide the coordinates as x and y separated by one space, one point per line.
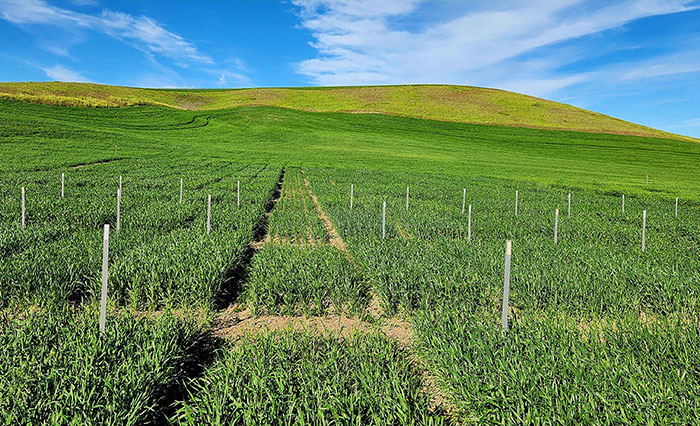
61 73
358 41
140 32
85 3
148 35
663 66
229 79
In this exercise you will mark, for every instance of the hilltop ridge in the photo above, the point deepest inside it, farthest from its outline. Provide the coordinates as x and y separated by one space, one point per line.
463 104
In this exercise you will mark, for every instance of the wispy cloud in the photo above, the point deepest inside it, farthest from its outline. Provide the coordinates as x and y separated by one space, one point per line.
88 3
60 73
695 122
359 41
140 32
228 78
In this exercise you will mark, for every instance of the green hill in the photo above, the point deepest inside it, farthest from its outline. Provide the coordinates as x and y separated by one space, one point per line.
436 102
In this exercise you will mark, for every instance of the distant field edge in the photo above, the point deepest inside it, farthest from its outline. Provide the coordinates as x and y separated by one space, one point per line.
451 103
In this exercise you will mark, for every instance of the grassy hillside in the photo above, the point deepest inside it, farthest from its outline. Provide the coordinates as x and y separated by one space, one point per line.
43 137
437 102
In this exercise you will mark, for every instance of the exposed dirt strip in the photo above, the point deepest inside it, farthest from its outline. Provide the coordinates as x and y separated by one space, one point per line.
96 163
263 233
335 239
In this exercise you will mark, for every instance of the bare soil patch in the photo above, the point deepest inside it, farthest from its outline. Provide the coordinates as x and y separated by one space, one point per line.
335 239
96 163
233 323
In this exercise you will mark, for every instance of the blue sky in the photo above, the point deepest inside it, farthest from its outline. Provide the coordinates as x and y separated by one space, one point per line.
634 59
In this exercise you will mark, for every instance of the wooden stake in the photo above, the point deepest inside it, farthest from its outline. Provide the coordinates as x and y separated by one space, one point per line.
119 208
623 203
63 184
23 209
644 229
105 275
352 190
556 226
569 205
676 206
516 202
209 214
180 190
506 287
406 198
238 193
384 220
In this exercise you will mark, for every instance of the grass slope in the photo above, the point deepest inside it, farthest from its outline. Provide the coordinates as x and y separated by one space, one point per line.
437 102
44 137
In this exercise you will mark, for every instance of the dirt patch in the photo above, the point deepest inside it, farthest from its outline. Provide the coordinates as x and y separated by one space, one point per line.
403 234
265 238
333 235
96 163
374 308
399 330
236 321
233 323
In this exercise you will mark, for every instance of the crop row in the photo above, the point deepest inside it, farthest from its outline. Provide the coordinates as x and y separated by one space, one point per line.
58 369
558 371
161 256
297 270
598 267
284 378
601 331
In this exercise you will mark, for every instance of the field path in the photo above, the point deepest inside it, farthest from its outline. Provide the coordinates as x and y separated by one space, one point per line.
94 163
262 233
238 320
333 235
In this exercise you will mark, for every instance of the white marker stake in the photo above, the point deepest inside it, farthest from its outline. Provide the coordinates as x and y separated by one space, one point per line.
464 199
352 191
623 203
506 287
469 224
105 274
406 198
238 193
556 226
676 206
63 184
647 179
23 209
516 203
644 229
209 214
180 190
384 220
120 183
569 205
119 208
